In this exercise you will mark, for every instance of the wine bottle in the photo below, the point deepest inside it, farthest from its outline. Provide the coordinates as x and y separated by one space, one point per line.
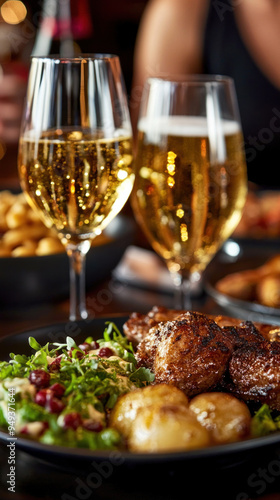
63 24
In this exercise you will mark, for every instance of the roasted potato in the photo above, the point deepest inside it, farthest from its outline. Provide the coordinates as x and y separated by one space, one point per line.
25 250
268 290
128 405
226 418
240 285
16 237
4 251
166 428
16 215
271 266
49 245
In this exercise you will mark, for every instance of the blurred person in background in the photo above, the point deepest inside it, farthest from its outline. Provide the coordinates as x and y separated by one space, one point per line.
237 38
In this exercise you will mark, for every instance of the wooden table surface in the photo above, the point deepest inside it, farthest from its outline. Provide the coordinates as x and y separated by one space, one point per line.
36 479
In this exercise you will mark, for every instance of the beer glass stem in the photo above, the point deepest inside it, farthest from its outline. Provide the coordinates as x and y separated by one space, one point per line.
182 292
77 260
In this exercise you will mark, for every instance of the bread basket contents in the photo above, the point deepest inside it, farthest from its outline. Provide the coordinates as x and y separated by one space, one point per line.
23 233
260 285
170 383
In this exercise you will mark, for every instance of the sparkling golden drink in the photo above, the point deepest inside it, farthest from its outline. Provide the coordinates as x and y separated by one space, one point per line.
76 182
190 188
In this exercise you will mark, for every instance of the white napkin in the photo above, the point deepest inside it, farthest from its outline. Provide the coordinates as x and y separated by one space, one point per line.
141 267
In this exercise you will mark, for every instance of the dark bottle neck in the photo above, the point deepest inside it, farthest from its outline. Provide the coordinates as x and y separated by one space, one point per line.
55 32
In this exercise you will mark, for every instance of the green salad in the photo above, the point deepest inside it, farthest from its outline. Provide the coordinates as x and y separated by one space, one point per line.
62 393
265 422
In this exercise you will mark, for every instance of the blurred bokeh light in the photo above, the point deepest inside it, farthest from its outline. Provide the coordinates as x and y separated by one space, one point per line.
13 11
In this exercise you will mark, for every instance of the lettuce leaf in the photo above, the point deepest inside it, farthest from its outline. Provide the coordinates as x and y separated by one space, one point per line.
263 422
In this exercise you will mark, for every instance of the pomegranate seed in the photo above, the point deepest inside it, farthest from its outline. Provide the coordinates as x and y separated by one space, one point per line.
102 396
48 399
90 425
57 389
54 405
40 378
94 345
105 352
39 431
85 346
44 428
72 420
54 366
78 354
42 396
24 430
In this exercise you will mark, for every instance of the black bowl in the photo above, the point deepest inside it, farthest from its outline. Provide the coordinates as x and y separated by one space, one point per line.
235 462
25 280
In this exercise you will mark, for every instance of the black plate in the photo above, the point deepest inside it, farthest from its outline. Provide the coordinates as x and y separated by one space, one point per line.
240 255
222 456
25 280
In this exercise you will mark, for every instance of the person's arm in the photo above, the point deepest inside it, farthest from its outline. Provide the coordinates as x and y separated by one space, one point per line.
169 43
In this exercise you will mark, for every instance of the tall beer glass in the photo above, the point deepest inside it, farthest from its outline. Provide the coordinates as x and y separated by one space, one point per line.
191 182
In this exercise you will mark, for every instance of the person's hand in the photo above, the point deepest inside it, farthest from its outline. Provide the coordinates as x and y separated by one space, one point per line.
12 92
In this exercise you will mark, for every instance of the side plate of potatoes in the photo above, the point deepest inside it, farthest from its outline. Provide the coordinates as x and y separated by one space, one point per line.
249 283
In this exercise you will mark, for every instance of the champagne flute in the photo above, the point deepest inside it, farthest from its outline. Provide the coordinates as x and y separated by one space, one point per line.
75 153
190 173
